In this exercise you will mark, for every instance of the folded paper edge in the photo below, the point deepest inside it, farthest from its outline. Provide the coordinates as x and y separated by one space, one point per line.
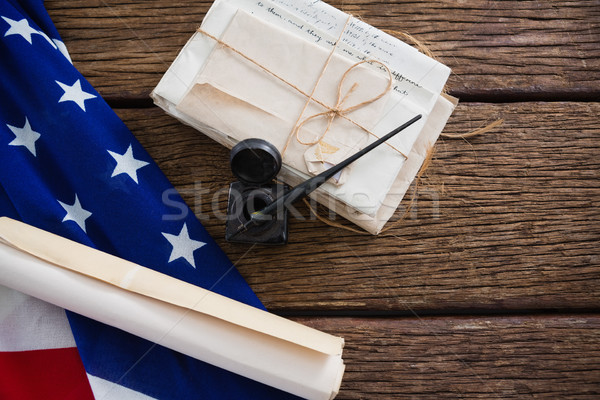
124 274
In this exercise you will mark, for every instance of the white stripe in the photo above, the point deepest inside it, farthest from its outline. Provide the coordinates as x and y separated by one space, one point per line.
27 323
106 390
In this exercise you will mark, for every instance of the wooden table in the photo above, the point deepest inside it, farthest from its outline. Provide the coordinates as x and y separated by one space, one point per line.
491 287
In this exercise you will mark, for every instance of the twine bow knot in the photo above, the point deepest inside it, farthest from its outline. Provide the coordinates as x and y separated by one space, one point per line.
338 110
331 112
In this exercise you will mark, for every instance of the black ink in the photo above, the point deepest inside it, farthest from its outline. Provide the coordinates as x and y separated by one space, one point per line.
401 78
314 34
296 24
272 11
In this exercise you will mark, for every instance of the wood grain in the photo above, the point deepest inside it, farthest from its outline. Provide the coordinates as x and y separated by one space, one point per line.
504 223
489 358
509 220
500 50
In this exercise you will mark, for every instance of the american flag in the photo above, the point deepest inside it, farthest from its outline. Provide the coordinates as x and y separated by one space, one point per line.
70 166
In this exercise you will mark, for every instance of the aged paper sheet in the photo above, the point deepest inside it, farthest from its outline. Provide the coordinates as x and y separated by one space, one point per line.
237 337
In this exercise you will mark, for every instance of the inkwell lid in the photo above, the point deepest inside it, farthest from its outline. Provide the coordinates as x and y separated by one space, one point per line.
255 161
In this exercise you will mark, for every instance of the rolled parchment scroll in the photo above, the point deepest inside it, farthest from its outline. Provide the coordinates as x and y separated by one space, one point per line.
194 321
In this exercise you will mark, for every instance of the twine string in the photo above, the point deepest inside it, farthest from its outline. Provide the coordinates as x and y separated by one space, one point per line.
310 96
338 110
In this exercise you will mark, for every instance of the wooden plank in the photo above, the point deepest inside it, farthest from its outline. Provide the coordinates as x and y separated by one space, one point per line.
509 220
490 358
523 49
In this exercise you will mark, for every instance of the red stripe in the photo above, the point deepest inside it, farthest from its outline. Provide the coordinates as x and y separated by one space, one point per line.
43 374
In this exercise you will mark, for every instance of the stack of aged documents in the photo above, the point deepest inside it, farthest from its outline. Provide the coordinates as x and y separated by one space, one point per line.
318 84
